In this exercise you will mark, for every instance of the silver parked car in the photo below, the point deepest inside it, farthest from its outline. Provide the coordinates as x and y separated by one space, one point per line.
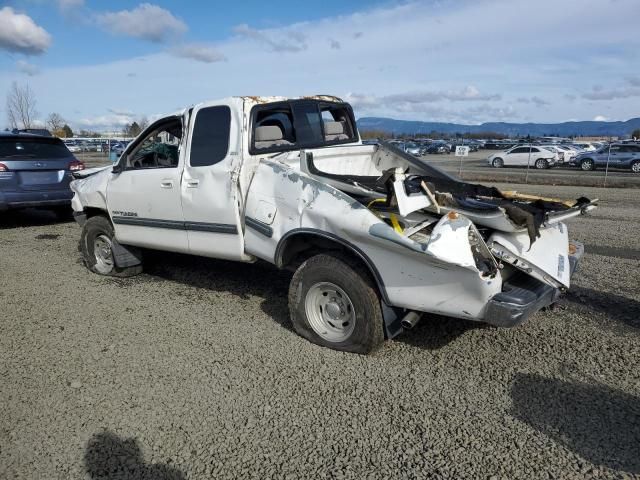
35 171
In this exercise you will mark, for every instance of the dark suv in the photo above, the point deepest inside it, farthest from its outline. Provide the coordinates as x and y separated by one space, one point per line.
35 171
622 155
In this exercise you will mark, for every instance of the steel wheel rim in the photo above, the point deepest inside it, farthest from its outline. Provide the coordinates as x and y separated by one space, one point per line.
635 167
330 312
540 164
586 165
103 254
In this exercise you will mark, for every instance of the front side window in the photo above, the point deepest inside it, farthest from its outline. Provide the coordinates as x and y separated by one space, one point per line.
210 140
159 149
300 123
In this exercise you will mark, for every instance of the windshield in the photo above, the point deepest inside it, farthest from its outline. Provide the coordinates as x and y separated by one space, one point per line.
32 148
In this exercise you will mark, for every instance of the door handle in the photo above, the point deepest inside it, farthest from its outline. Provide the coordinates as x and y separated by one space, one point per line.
193 183
166 184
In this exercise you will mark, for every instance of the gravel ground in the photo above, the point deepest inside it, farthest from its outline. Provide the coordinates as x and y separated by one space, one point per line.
191 370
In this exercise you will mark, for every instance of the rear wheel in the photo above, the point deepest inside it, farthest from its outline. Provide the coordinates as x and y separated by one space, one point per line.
541 164
497 163
635 166
96 245
334 303
587 164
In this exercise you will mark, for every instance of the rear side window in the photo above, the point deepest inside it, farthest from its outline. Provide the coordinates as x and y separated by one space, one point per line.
295 124
210 140
308 123
26 149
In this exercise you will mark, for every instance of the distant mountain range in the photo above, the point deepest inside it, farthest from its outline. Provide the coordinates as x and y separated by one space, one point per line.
566 129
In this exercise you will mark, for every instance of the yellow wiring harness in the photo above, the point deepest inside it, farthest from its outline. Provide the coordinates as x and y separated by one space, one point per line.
394 219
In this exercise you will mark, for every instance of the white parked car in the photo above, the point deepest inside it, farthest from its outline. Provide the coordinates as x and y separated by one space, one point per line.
73 147
523 155
375 236
585 146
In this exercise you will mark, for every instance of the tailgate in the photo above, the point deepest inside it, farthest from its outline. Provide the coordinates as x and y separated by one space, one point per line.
40 178
547 259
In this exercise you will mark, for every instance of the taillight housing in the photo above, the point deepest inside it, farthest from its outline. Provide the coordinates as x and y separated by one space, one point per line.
76 165
3 168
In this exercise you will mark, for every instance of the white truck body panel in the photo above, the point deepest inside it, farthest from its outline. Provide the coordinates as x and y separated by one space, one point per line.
248 205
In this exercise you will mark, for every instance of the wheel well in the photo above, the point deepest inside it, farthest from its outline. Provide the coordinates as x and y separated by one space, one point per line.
296 247
92 212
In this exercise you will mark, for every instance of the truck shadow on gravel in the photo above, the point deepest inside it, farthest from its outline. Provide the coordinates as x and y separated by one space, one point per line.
109 457
240 279
621 309
596 422
272 285
435 331
29 218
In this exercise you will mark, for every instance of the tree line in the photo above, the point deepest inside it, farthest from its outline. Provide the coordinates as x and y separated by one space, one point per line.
22 114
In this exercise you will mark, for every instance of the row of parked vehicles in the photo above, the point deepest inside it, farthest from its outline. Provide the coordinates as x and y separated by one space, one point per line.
95 145
624 156
422 147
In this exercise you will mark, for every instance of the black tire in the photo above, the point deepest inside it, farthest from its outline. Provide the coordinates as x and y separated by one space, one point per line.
100 226
635 166
367 332
541 164
587 164
497 162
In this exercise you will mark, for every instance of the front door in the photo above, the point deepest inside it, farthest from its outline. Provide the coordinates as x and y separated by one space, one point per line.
517 157
144 197
210 194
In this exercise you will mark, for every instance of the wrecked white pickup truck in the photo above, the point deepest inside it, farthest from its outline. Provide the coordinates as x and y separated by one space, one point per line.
375 236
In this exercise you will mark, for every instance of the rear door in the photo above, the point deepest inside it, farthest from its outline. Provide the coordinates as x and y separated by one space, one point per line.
210 194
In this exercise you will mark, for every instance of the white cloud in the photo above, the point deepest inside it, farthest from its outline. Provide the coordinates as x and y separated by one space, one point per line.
539 102
20 34
408 65
111 121
283 41
634 81
70 4
27 68
200 52
600 118
122 112
600 93
146 21
416 100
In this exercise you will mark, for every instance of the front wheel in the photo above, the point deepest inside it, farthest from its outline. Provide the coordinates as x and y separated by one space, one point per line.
96 245
541 164
587 164
497 163
334 303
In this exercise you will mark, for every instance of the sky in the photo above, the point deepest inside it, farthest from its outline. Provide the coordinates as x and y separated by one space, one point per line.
103 64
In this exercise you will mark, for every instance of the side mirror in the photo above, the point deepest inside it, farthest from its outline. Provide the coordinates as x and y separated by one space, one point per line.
116 168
